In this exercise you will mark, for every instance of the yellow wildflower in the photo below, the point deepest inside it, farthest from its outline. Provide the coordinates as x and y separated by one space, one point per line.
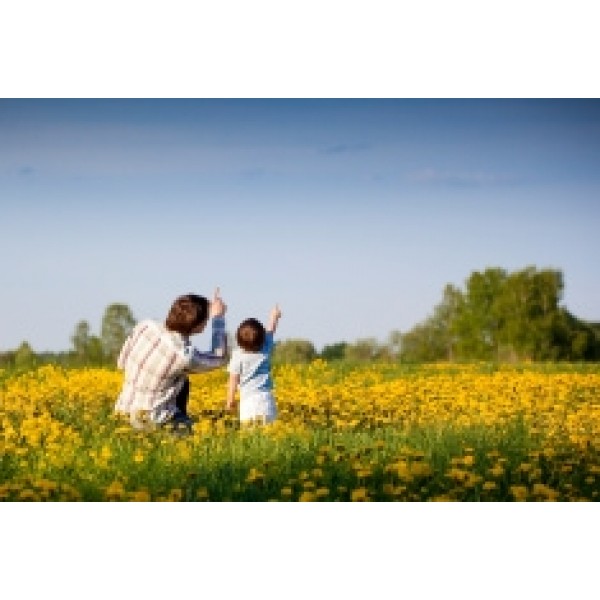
359 495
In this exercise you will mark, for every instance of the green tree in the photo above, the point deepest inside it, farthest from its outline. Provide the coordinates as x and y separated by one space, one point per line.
24 356
532 319
294 351
363 349
81 341
95 351
478 321
577 339
333 351
117 323
436 338
444 324
421 344
505 317
7 359
394 343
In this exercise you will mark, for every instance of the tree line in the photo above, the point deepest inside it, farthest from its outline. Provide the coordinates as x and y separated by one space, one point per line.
87 349
499 316
505 317
496 316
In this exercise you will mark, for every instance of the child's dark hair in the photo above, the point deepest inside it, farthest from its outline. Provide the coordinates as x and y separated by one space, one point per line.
187 312
251 335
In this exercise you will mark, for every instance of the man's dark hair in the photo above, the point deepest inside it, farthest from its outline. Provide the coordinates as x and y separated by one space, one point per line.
187 312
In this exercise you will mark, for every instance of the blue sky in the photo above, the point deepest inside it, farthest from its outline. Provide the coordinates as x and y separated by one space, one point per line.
352 214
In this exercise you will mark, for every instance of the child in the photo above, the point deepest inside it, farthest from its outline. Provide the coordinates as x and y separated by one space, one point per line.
157 357
250 370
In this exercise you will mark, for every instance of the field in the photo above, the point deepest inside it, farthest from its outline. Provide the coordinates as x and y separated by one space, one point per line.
377 432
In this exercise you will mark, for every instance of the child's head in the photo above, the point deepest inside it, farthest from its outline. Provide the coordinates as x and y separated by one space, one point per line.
188 314
251 335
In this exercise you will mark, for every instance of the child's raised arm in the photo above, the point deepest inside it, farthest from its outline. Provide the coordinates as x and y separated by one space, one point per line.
274 317
217 307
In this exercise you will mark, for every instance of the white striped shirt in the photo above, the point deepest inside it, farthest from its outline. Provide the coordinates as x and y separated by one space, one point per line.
156 360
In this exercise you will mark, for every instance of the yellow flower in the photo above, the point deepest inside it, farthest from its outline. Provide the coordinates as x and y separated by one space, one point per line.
420 469
27 495
468 460
322 492
307 496
114 491
497 471
403 471
175 495
519 492
46 485
202 494
105 453
254 475
539 489
140 496
441 498
359 495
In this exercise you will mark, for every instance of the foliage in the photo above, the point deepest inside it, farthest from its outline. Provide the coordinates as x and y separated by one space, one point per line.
293 351
24 357
334 351
87 348
498 316
502 316
117 323
366 349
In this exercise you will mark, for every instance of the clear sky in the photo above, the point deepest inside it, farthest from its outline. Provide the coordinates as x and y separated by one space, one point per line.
351 214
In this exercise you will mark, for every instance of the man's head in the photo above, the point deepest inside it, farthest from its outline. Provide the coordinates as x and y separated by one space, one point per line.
188 314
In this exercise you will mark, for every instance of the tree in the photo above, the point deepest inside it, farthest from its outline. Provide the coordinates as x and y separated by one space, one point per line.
334 351
479 320
504 317
24 356
117 323
438 337
578 340
95 352
394 343
532 321
363 349
294 351
444 334
81 341
421 345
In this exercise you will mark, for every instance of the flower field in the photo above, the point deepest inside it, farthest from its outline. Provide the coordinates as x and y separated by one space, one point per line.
379 432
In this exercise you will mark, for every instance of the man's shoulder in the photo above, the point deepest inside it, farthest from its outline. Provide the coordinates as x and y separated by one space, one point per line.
150 329
147 324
